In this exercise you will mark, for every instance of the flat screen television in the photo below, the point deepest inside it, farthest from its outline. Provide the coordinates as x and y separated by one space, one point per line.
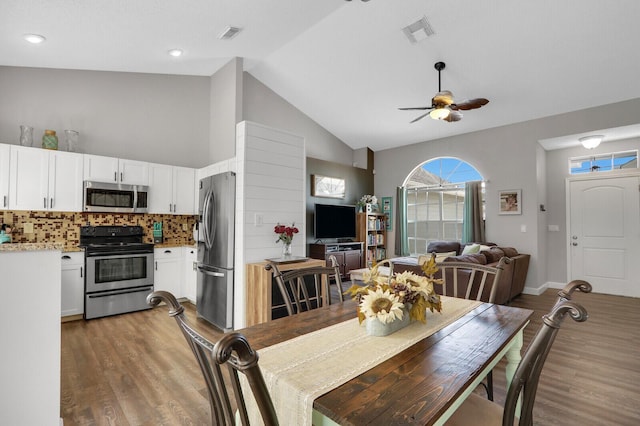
334 221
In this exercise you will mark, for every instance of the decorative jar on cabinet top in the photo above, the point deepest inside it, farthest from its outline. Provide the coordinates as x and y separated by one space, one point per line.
50 140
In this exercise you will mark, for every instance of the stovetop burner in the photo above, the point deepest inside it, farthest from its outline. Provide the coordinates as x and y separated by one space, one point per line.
113 238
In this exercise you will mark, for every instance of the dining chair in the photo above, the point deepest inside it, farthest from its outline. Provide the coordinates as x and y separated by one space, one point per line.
476 410
233 351
473 281
302 289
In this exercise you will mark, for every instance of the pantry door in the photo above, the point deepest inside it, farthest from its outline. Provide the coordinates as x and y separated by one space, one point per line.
604 238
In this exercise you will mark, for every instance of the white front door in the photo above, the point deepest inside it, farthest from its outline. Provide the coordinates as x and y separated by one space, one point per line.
604 239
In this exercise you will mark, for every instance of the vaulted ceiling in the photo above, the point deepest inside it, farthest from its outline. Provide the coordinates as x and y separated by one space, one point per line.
348 65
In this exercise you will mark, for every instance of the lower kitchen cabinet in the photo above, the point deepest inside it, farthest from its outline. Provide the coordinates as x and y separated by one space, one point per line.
167 274
72 302
190 273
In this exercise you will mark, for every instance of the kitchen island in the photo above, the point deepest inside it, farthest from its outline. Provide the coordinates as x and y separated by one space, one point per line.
30 333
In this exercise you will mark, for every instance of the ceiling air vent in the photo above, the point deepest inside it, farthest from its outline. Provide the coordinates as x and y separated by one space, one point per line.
229 33
419 30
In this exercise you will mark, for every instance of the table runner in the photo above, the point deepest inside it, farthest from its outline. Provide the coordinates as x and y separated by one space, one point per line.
299 370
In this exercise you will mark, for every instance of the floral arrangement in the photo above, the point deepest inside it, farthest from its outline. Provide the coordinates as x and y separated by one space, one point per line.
367 199
388 299
285 233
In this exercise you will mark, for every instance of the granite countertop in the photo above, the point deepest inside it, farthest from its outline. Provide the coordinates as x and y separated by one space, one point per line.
31 246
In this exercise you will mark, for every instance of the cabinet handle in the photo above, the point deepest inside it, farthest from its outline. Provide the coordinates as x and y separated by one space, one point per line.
115 176
51 204
5 201
170 208
65 257
174 208
156 262
121 177
45 202
167 251
81 272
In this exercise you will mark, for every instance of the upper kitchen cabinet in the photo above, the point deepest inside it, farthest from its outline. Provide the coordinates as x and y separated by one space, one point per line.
171 189
44 180
115 170
4 176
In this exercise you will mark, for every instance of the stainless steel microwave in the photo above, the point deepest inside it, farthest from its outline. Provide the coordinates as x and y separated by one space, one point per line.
115 197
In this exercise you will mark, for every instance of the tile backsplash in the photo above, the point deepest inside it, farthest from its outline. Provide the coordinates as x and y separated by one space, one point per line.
65 226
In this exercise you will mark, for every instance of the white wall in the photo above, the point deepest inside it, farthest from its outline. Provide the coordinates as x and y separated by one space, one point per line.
271 170
263 105
151 117
509 158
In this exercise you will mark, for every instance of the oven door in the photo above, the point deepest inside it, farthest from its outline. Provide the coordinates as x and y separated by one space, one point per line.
118 271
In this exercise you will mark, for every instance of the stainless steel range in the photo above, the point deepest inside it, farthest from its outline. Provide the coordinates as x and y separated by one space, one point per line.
119 270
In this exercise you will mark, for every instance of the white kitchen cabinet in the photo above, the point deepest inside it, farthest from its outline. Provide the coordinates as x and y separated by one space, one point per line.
171 189
45 180
115 170
190 273
168 274
4 176
72 284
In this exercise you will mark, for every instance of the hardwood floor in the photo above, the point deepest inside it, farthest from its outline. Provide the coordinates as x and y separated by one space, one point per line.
136 369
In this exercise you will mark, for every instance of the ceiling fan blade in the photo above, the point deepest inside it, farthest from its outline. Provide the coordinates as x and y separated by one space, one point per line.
415 108
453 116
419 118
470 104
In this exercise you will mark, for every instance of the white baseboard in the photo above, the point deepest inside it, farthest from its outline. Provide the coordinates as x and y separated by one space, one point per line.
537 291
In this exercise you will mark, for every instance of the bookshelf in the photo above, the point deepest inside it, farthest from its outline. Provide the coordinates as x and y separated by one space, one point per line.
372 231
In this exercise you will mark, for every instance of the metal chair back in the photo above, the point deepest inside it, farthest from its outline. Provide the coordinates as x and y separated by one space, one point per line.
234 352
305 289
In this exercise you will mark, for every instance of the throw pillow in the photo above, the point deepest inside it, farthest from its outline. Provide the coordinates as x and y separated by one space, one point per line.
471 249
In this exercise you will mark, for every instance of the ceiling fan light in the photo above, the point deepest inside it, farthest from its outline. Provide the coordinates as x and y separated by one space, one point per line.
439 113
592 141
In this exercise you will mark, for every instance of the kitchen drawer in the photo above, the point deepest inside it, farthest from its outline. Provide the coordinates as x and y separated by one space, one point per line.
162 253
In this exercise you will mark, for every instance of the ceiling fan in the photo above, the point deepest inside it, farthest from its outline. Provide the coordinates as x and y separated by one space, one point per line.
443 106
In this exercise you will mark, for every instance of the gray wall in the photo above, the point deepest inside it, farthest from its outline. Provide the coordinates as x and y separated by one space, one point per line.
509 158
358 183
263 105
151 117
226 110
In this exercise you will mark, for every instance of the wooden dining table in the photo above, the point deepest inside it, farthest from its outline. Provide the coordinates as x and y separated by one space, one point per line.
421 385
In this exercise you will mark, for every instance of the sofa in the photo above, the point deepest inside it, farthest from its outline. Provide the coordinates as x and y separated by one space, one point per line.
513 275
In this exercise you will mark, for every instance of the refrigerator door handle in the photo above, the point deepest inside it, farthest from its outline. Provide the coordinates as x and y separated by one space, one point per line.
205 220
212 273
212 216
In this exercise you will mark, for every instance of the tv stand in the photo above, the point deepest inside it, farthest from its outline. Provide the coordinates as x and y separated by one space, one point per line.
345 240
348 254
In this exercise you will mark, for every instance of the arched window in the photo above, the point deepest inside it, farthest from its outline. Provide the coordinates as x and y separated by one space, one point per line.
436 201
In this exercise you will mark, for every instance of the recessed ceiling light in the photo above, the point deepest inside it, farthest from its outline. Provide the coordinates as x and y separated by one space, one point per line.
34 38
175 52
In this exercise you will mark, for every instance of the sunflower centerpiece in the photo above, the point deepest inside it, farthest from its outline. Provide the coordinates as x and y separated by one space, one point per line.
390 303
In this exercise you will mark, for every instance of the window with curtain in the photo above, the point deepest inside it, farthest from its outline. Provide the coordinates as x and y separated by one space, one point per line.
435 202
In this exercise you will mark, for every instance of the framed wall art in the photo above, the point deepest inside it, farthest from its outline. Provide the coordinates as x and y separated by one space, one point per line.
510 201
388 211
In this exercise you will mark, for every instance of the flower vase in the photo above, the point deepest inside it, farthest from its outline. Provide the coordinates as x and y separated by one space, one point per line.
26 136
376 328
286 250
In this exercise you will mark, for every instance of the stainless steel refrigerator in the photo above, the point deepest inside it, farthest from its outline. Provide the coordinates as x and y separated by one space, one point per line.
216 229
